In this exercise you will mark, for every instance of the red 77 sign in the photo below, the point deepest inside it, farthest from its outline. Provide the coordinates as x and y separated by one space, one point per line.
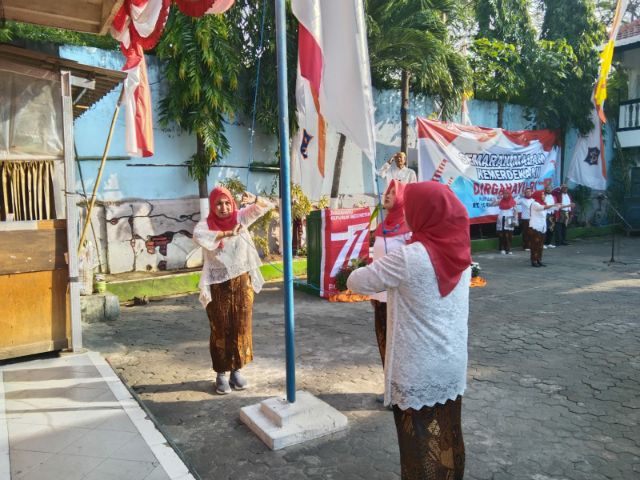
345 236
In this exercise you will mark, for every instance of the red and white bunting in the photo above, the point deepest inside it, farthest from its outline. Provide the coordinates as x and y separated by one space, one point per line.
138 26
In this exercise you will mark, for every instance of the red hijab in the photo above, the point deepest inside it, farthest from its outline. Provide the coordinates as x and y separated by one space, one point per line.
216 223
394 223
507 203
439 221
538 196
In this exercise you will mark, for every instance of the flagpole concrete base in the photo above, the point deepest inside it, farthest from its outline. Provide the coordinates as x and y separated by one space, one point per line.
280 424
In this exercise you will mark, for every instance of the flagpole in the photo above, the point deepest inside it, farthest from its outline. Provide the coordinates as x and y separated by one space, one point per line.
285 193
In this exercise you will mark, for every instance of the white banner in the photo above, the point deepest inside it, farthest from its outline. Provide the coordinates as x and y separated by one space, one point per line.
479 163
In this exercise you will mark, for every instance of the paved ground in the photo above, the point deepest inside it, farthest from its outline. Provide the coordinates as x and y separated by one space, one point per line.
70 417
553 393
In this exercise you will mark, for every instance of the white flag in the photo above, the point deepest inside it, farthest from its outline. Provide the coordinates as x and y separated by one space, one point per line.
309 144
588 166
334 82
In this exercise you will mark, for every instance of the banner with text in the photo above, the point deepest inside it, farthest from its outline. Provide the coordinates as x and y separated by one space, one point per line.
479 163
345 236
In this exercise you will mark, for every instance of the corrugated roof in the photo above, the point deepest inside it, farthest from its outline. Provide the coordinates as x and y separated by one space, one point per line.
629 30
105 79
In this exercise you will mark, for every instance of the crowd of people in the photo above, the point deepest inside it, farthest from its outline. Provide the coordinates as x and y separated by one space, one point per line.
543 217
418 283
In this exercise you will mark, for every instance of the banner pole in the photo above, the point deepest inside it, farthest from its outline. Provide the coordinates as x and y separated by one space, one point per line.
285 191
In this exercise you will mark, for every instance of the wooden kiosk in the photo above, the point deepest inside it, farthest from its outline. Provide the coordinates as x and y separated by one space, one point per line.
40 95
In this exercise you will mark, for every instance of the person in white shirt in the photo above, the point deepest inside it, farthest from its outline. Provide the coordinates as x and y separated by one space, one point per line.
506 222
425 369
230 277
525 203
396 169
550 200
564 215
538 226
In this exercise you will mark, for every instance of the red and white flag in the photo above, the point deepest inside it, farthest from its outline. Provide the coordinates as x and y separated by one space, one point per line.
138 25
333 85
137 103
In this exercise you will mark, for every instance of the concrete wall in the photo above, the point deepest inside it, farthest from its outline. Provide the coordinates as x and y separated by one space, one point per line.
146 213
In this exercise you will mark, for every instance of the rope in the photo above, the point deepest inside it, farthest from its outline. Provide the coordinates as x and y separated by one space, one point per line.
259 53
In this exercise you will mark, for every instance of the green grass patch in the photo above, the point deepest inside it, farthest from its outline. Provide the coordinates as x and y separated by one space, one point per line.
188 282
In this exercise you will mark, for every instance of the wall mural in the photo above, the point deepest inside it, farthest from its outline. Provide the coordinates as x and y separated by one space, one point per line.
151 236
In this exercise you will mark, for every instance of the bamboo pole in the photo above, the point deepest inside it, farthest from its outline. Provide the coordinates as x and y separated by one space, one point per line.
5 190
14 189
47 190
23 190
39 190
15 180
27 167
86 203
100 170
34 187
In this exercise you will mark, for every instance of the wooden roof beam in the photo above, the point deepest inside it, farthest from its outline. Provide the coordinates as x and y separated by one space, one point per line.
109 10
91 16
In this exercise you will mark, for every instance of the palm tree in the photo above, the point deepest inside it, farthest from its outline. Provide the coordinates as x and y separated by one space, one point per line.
201 68
410 48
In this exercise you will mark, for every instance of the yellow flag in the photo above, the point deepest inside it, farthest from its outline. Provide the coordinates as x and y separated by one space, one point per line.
606 57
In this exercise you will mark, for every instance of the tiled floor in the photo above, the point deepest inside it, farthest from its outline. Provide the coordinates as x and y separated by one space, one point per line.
71 417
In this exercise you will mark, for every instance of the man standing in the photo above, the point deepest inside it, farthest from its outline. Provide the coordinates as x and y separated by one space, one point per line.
525 214
549 199
564 215
399 171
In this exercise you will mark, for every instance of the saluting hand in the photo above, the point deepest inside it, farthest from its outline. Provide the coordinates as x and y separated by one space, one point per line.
247 197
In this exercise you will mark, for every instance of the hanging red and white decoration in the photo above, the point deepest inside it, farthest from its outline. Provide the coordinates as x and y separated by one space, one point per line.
138 26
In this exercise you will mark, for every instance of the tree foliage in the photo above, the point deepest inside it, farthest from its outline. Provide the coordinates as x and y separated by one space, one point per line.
502 51
498 70
201 68
13 31
246 16
573 23
508 21
413 36
552 75
554 67
605 9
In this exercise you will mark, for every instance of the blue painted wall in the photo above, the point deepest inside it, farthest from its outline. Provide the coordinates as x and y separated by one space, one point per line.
123 180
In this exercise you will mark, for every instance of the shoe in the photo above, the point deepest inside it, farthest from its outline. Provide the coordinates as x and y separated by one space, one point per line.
535 265
237 381
527 249
545 247
552 246
503 252
222 384
565 243
509 252
540 264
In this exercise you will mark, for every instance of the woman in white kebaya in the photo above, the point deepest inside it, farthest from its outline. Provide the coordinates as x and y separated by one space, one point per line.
427 285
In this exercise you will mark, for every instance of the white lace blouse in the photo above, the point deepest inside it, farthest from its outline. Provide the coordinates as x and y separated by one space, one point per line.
382 246
426 355
229 257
